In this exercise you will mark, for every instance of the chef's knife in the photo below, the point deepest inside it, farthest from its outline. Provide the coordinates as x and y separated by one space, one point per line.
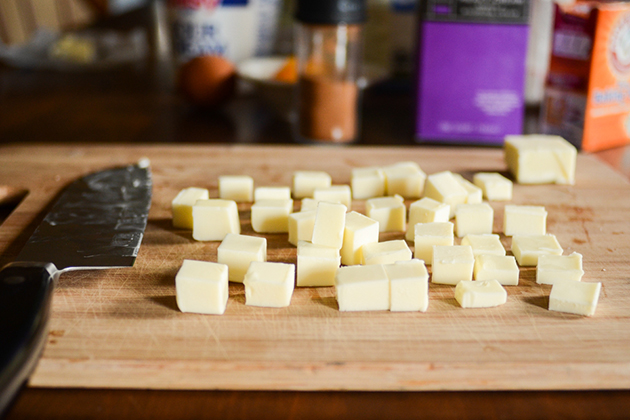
97 222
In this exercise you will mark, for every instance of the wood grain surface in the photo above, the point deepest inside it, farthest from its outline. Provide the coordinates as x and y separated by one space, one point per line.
122 329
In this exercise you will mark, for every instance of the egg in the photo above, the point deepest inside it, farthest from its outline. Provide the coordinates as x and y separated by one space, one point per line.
207 80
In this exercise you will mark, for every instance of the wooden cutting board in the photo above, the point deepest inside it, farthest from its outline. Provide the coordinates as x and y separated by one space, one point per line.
122 328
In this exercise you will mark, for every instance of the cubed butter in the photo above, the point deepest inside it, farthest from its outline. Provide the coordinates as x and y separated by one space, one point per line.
475 195
308 204
272 193
540 159
271 216
305 182
405 179
551 268
426 210
445 188
269 284
387 252
330 221
362 288
359 230
316 265
502 268
428 235
524 220
452 264
527 248
334 194
214 218
389 212
367 183
238 251
484 244
574 297
202 287
301 226
475 219
480 294
409 286
183 203
239 188
495 186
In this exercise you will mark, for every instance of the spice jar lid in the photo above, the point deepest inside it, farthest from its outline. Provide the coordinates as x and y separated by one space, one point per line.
331 11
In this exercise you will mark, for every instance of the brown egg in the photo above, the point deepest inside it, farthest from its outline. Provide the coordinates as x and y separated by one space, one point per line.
207 80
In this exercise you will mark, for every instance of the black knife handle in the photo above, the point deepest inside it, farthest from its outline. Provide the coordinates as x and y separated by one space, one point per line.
25 295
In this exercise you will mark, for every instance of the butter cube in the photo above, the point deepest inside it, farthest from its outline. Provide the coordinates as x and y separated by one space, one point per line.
389 212
552 268
426 210
524 220
272 193
444 187
183 203
387 252
405 179
475 195
362 288
306 182
367 183
359 230
452 264
334 194
428 235
316 264
269 284
308 204
484 244
496 267
239 188
271 216
202 287
409 286
495 186
480 294
238 251
474 219
214 218
574 297
330 221
527 248
301 226
540 159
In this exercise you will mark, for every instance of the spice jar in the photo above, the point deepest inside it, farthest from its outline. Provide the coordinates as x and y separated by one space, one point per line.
329 48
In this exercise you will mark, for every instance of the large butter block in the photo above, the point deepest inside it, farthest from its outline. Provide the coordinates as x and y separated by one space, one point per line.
445 188
389 212
426 210
387 252
475 219
269 284
452 264
367 183
524 220
362 288
484 244
239 188
409 286
552 268
214 218
271 216
495 186
202 287
334 194
480 294
306 182
183 203
301 226
330 221
428 235
475 195
359 230
272 193
238 251
496 267
574 297
405 179
540 159
527 248
316 265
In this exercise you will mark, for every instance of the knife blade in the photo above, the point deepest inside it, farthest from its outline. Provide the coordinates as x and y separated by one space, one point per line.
97 222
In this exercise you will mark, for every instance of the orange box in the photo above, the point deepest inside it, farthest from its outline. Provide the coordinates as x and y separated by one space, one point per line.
587 95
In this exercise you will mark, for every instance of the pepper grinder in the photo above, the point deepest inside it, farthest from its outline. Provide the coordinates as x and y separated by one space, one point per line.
329 49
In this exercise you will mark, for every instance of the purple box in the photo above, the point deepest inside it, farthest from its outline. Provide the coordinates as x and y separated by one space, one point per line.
471 75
